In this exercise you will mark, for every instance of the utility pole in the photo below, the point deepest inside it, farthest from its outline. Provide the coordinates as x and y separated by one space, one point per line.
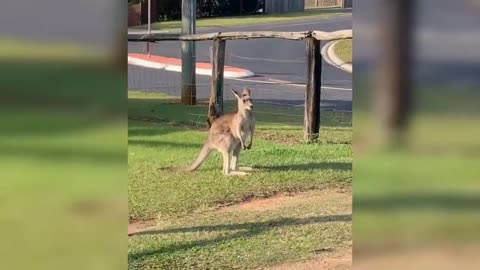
394 81
149 30
189 14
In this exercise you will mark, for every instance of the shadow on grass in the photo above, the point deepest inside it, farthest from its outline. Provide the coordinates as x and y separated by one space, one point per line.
343 166
249 229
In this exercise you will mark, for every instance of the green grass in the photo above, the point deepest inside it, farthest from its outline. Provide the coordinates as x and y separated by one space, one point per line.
63 166
248 20
422 195
59 187
343 49
163 133
245 239
34 50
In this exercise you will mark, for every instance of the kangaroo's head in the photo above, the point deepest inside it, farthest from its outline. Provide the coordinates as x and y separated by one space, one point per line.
245 102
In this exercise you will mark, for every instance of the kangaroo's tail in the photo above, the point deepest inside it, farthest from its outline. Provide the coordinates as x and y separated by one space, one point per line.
204 153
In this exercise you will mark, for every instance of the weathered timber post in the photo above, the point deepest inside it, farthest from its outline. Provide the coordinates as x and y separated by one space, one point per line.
215 106
311 126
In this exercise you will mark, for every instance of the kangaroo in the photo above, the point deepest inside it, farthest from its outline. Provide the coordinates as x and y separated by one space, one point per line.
229 134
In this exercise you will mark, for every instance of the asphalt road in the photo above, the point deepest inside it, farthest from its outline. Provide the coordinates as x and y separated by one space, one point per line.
280 66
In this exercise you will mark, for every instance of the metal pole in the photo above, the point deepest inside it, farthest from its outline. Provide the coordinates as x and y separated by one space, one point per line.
148 24
188 52
210 51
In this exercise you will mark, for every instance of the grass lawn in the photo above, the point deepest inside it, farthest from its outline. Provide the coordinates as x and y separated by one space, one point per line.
35 50
192 232
293 229
248 20
343 49
63 165
422 196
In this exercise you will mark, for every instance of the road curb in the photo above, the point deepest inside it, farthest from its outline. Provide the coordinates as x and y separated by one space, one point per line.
175 65
328 53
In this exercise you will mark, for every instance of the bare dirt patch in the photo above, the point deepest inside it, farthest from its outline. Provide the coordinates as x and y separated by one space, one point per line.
339 260
288 200
140 226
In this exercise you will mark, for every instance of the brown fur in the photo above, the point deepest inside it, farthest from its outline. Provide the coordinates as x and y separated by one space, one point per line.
228 134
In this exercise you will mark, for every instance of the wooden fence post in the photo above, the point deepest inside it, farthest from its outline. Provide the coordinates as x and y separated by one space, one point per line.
215 105
311 126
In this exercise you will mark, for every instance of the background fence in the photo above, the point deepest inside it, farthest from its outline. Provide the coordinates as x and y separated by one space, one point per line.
282 6
278 89
328 3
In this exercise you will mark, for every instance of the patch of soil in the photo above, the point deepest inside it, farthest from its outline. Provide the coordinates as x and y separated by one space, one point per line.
140 226
339 260
285 200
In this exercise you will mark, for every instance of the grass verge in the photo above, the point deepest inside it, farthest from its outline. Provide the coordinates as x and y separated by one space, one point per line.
343 49
63 157
423 195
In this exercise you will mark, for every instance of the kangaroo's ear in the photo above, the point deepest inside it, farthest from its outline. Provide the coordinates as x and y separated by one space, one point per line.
236 94
246 91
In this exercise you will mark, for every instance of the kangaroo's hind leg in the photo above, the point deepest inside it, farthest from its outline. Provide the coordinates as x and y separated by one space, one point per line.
235 157
235 160
226 162
226 166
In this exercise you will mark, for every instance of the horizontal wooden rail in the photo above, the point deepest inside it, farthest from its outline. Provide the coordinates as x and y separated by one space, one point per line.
318 35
